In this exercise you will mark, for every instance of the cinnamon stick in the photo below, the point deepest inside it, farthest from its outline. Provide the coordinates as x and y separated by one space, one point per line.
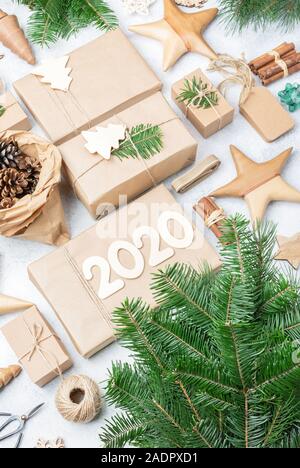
206 207
275 69
274 78
267 58
284 57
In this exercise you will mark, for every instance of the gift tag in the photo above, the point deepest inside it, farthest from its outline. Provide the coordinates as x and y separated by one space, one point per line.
266 115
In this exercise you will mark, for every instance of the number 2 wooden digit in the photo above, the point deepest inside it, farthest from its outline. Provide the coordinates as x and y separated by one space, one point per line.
157 256
106 288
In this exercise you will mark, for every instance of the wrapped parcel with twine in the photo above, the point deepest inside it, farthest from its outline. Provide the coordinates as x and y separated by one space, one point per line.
39 215
37 347
202 103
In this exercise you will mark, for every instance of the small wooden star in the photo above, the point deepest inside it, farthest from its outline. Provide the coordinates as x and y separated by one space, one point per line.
289 250
259 183
179 32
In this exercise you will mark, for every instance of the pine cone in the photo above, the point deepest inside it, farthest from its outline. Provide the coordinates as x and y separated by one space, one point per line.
7 203
9 151
32 167
13 184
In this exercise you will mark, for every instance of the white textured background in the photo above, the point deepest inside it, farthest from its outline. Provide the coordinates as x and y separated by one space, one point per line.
15 255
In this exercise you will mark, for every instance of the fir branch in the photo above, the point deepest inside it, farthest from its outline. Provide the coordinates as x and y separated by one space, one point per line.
52 20
143 141
214 361
198 94
239 14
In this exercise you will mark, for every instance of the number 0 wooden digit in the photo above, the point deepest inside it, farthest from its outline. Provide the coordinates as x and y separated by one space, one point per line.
165 233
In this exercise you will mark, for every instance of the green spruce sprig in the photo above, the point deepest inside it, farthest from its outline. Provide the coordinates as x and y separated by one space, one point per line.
260 14
57 19
191 94
143 141
2 110
215 363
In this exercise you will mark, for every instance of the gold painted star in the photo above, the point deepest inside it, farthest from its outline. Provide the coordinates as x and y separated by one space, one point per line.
289 250
179 32
259 183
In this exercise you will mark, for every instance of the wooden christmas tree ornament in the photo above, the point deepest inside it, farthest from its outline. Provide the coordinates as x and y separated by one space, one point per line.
13 37
179 32
289 250
8 374
259 183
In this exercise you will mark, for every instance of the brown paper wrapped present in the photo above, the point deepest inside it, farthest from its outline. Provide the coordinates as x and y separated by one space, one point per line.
211 118
13 118
98 182
83 298
38 216
108 75
39 350
123 90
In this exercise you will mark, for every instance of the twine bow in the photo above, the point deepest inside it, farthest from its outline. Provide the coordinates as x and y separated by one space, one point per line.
216 217
36 333
203 94
235 71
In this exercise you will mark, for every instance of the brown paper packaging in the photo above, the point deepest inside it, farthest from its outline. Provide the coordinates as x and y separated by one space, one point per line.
39 216
206 121
108 74
98 182
266 115
41 368
14 118
59 277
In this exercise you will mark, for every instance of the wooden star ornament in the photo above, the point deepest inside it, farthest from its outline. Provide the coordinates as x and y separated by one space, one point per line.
289 250
259 183
179 32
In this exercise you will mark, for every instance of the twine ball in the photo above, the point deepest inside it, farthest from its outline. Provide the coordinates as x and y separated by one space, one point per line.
78 399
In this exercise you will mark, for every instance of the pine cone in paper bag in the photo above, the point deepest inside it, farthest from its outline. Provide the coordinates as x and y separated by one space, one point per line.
38 215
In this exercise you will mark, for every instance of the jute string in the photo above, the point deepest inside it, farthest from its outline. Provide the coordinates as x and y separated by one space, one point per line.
78 399
281 63
216 217
203 94
235 71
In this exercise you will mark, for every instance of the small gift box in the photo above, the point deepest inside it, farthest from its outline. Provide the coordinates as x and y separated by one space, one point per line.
116 259
75 96
12 116
37 347
202 104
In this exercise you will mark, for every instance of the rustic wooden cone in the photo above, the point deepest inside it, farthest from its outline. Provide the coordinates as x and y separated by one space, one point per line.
9 373
13 37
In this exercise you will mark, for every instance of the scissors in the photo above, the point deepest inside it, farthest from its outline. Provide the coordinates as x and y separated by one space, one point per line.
20 420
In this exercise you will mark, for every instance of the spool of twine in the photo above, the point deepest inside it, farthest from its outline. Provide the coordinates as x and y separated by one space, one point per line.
78 399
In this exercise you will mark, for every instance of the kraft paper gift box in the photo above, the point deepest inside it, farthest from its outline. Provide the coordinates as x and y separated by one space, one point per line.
206 120
14 118
39 350
98 182
80 298
122 87
108 75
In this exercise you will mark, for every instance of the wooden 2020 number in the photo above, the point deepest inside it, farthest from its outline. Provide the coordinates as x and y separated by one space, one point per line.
157 256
